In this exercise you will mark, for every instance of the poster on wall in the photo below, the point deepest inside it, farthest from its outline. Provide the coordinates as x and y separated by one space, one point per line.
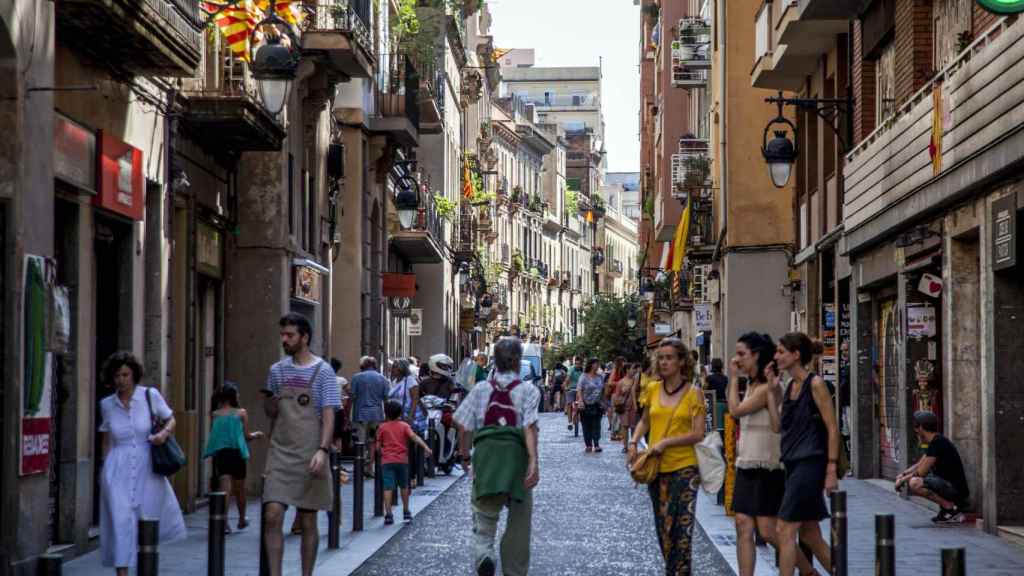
920 321
828 340
37 367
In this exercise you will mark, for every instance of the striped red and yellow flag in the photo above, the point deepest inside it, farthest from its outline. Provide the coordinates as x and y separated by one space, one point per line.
288 10
236 23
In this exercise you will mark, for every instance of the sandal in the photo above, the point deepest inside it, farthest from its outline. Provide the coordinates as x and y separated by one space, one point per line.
296 529
407 517
243 524
389 519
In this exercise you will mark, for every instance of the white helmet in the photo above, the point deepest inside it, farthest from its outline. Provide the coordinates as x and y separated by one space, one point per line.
441 364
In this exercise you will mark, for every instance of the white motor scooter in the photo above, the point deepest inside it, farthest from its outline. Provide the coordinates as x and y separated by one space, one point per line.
442 437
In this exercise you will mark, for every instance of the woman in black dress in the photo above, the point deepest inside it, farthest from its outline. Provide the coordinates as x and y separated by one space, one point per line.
810 452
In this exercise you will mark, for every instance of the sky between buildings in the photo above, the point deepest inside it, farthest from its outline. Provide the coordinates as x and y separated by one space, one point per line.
585 33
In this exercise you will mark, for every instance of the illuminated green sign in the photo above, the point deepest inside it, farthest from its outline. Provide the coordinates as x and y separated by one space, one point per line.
1003 6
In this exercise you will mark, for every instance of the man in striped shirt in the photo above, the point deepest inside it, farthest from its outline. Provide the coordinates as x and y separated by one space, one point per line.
302 395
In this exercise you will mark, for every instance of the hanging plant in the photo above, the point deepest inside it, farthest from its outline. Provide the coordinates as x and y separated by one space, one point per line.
572 201
444 207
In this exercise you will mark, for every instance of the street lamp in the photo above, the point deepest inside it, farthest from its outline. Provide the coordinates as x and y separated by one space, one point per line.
273 68
780 152
407 202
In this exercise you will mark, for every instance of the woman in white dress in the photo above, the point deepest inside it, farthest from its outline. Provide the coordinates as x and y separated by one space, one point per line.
129 490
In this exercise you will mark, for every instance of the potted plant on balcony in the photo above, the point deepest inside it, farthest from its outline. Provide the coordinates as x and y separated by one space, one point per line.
572 201
598 207
517 194
444 207
517 263
698 171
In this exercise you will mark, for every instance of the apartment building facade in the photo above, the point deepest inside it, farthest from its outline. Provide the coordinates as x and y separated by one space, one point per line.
907 227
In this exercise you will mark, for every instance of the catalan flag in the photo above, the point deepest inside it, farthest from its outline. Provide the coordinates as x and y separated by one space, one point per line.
467 181
679 248
236 23
935 145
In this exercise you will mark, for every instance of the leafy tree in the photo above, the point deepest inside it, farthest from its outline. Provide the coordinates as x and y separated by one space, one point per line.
606 331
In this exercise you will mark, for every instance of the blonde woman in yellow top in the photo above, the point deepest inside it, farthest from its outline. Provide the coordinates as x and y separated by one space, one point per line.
673 414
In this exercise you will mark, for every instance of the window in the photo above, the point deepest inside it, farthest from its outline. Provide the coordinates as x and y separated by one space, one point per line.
951 26
885 84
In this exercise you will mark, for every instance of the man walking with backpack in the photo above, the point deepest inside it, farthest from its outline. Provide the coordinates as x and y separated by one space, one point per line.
499 418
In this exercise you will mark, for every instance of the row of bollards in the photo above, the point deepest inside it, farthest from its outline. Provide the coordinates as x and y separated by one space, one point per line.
953 559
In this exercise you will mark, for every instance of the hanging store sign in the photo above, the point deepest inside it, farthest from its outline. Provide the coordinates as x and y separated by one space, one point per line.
1004 232
702 317
121 187
1003 6
399 285
306 285
920 321
415 322
74 153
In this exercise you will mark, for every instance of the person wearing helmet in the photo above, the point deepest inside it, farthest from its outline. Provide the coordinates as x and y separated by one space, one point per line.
439 378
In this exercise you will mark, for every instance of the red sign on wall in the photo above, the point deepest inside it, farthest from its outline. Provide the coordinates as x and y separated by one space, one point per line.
121 188
399 285
35 445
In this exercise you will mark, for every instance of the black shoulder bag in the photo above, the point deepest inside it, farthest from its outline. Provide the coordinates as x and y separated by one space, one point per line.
167 458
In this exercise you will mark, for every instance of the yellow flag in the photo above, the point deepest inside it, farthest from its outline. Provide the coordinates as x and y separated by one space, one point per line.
679 243
935 146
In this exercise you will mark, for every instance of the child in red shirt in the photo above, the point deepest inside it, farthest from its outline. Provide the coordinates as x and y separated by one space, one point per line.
393 438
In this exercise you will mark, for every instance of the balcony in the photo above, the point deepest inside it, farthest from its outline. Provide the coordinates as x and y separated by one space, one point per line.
615 268
340 31
423 242
809 27
890 177
693 48
701 242
135 37
671 290
779 65
464 248
433 86
226 115
552 102
397 101
691 168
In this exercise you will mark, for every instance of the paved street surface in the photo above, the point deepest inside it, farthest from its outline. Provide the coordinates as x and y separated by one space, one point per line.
588 519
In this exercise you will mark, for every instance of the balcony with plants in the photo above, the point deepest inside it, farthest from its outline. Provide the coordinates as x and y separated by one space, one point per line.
691 169
691 53
135 37
397 109
419 236
341 31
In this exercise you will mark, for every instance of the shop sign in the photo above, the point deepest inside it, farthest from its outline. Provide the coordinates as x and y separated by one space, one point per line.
662 329
208 249
702 317
1004 232
415 322
121 187
37 367
399 285
306 286
74 153
1003 6
920 321
828 340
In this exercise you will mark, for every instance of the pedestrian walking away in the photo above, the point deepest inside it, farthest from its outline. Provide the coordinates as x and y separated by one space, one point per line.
229 447
571 414
129 488
301 398
809 451
499 419
394 436
760 479
343 416
674 416
590 405
939 474
617 373
624 403
369 392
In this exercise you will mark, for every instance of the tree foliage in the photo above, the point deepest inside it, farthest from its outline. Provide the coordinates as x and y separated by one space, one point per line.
606 331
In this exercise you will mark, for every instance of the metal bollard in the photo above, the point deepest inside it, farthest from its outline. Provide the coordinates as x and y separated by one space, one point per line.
885 545
840 564
50 565
334 517
419 465
357 487
378 487
215 538
148 559
264 561
954 562
432 459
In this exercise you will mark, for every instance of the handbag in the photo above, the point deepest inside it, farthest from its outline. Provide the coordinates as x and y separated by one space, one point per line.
710 462
167 458
644 469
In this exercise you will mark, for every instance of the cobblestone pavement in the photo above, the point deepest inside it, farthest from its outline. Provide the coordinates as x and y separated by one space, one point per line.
588 519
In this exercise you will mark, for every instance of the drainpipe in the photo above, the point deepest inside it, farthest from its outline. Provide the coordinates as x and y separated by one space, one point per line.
723 124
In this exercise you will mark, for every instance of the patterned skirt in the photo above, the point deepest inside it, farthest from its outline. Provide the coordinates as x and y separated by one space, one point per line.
674 497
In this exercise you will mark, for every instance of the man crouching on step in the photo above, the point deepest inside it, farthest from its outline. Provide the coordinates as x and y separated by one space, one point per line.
499 418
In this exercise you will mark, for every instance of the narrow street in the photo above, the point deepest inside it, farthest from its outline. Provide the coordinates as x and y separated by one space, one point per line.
588 519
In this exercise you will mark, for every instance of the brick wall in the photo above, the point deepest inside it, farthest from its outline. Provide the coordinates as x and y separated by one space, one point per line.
913 47
863 89
983 20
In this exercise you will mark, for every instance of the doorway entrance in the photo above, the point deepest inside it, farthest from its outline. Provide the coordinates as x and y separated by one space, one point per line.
208 369
1009 393
890 429
112 255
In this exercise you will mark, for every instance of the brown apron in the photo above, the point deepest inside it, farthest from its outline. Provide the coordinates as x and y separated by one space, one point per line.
293 442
